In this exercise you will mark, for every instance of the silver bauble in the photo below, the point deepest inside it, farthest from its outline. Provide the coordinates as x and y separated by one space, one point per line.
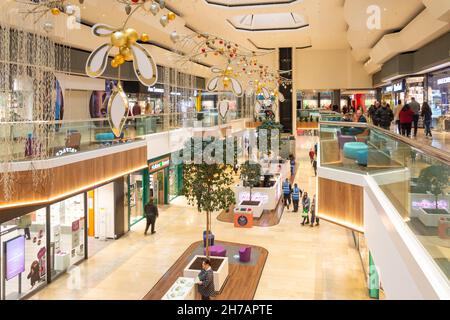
164 20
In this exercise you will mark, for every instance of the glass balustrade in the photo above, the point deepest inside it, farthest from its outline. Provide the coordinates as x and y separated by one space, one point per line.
25 140
413 177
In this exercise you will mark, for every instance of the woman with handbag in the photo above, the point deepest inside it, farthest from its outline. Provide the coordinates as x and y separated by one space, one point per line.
306 205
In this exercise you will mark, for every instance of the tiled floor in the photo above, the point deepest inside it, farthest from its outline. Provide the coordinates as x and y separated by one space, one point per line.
303 262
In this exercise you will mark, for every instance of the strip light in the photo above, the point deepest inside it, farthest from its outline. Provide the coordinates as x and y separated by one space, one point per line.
73 192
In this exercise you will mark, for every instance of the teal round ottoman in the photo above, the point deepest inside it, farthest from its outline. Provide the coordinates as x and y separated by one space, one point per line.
104 136
362 157
351 149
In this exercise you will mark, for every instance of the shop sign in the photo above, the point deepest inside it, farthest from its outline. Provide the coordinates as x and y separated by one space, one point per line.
398 87
66 150
158 165
388 89
443 81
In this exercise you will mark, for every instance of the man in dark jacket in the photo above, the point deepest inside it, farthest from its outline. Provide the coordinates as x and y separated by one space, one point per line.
372 111
151 213
206 280
384 116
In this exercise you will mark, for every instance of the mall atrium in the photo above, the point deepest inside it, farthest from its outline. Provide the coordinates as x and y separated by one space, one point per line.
224 150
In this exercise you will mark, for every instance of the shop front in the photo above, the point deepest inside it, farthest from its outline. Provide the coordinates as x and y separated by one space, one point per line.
159 179
137 195
175 180
439 96
39 245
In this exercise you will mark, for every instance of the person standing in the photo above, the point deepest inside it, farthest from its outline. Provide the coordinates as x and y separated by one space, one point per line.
306 204
312 154
406 119
313 212
397 110
206 280
292 165
415 107
287 193
296 194
384 116
427 117
314 165
151 213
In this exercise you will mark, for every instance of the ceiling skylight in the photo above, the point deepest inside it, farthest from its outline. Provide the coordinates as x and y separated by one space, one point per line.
269 21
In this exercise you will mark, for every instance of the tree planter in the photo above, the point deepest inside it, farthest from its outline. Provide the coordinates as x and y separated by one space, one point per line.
256 206
218 264
431 217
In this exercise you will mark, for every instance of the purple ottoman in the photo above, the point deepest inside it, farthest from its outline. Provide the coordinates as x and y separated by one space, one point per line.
245 254
216 251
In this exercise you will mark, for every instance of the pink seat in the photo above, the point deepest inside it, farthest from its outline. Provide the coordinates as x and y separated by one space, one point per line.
245 254
216 251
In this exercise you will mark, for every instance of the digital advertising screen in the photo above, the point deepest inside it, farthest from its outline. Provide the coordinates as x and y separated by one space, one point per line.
14 257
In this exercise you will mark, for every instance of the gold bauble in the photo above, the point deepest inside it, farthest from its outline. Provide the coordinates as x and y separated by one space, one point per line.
120 59
145 37
132 35
126 53
114 63
226 82
118 39
171 16
55 11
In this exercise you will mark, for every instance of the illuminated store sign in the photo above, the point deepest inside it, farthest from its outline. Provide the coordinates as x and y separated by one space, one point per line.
158 165
388 89
443 81
156 90
398 87
66 150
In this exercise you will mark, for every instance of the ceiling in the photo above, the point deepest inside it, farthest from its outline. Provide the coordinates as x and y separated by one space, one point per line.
264 25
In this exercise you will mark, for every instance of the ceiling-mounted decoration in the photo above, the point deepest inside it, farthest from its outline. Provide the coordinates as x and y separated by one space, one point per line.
123 44
225 80
40 8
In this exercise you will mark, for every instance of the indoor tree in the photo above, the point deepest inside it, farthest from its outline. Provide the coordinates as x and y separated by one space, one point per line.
434 179
251 175
207 176
270 130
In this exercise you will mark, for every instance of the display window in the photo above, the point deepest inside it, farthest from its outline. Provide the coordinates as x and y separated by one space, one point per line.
309 100
135 197
439 96
23 255
175 181
415 88
67 238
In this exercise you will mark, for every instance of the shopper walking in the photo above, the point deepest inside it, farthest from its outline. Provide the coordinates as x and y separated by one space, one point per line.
313 212
287 193
306 202
415 107
312 154
296 195
397 110
292 165
384 116
427 117
25 224
206 280
372 112
151 213
406 119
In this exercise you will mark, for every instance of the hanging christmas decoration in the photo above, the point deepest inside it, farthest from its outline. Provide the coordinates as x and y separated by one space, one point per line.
123 44
225 80
40 8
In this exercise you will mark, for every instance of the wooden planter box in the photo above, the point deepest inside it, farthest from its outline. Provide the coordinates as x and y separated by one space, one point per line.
218 264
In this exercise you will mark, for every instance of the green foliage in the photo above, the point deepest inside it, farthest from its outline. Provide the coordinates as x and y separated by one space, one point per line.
250 175
434 179
272 129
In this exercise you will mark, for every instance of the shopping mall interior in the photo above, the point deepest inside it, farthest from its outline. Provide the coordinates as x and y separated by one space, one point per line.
224 150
